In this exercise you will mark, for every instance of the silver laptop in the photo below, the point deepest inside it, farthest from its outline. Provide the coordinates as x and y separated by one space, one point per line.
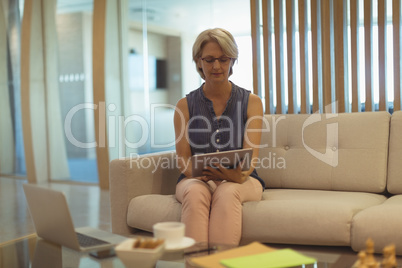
52 219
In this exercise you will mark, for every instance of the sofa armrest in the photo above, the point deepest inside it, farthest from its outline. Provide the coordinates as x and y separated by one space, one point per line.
154 173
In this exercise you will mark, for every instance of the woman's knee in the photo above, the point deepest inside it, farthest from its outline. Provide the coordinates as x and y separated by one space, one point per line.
248 191
227 191
195 191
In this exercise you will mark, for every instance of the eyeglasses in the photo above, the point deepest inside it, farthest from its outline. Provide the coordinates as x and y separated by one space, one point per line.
211 60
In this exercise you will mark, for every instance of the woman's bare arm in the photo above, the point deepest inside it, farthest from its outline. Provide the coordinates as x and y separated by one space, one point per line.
183 151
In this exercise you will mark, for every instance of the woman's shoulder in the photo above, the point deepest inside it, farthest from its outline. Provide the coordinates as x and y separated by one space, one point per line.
241 92
181 110
254 105
253 98
182 103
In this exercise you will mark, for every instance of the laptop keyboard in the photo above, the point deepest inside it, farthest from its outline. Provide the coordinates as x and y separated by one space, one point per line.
88 241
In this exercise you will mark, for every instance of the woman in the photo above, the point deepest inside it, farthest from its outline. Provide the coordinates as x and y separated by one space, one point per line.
218 116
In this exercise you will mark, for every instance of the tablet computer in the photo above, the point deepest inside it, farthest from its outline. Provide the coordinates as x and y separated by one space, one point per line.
229 159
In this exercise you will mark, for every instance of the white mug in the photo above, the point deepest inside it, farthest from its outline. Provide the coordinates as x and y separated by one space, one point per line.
171 232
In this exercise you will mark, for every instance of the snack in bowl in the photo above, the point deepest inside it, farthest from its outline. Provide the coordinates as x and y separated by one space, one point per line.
140 252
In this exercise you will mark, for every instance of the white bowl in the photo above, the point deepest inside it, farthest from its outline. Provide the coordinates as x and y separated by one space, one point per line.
138 257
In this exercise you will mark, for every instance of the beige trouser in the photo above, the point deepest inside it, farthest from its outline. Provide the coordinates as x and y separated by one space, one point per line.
212 211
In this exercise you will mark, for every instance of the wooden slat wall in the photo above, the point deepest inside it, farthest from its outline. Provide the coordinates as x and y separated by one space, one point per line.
367 52
354 57
255 45
304 96
396 20
339 36
266 34
381 54
290 42
278 56
314 38
326 52
329 21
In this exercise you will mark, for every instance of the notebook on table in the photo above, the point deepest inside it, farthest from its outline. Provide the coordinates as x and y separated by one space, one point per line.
53 222
229 159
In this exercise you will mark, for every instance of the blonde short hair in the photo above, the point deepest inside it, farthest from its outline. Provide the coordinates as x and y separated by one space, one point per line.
224 39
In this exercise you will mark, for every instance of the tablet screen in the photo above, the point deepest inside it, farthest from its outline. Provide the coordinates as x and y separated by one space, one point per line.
229 159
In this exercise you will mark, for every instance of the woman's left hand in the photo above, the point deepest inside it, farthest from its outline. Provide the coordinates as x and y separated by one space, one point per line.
219 172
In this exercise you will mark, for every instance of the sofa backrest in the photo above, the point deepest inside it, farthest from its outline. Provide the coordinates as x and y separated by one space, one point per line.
345 151
394 183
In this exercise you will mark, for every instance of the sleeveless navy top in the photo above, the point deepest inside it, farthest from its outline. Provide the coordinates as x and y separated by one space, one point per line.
207 133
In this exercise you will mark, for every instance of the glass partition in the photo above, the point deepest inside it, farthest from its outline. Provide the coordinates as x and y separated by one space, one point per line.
12 156
161 70
74 31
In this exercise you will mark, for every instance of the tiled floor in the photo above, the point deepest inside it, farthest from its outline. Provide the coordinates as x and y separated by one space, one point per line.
88 204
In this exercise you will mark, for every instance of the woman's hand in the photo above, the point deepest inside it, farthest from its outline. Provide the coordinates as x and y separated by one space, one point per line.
203 178
219 172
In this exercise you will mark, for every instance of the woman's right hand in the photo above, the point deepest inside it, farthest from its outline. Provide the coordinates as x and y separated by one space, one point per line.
203 178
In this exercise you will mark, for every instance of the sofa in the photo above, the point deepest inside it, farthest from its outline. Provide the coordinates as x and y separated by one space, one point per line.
331 180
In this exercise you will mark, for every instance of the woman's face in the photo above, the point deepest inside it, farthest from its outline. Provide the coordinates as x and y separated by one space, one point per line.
215 65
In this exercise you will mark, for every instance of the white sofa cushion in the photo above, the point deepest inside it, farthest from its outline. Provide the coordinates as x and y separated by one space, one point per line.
312 217
381 223
345 152
274 219
146 210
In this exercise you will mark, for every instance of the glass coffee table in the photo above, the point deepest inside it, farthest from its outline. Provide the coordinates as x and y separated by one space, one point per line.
32 251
